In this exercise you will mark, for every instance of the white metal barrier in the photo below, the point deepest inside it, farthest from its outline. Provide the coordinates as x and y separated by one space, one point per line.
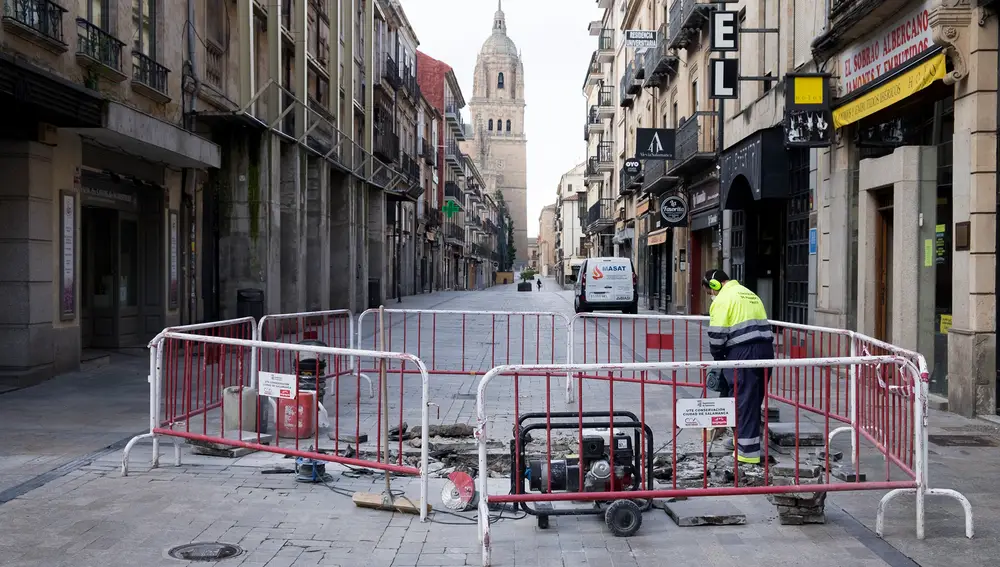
167 416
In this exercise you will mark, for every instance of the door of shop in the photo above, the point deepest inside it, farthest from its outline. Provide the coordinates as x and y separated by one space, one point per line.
796 274
110 258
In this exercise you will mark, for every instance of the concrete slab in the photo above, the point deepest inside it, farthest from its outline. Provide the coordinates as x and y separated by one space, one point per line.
704 512
784 435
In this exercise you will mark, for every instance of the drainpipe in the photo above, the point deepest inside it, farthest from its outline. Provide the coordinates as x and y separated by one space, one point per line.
187 175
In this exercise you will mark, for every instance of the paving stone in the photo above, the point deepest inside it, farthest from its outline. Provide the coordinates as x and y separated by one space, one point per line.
789 469
704 512
784 434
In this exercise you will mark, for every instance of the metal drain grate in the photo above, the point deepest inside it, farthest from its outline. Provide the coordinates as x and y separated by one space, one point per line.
204 551
961 441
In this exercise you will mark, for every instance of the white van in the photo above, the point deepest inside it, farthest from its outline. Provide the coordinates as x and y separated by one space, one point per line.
606 284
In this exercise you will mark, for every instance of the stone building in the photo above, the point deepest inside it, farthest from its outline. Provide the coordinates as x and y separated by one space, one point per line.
547 239
571 203
498 143
101 174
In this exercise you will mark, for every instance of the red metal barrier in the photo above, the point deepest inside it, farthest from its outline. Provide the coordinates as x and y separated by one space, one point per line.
468 342
646 399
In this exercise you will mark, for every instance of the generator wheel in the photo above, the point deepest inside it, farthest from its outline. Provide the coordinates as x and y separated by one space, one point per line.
623 517
543 522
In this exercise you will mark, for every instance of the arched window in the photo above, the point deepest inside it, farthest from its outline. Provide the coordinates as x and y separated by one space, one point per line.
508 125
499 125
491 124
500 81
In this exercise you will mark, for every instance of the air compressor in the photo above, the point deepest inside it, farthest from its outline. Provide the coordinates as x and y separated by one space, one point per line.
607 460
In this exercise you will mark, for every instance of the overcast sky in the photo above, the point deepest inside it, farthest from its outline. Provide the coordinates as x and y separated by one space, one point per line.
555 48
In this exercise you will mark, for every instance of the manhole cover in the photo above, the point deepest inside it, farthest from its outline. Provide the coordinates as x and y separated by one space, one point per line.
465 396
961 441
204 551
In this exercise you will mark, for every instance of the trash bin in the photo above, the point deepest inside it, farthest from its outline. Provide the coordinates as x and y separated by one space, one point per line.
374 293
250 303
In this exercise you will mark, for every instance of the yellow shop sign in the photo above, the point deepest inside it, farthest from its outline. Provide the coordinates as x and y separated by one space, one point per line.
884 96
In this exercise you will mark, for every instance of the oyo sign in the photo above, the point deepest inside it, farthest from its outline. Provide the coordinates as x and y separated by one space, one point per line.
633 166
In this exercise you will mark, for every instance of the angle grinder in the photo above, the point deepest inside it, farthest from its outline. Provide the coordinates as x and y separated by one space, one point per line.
714 380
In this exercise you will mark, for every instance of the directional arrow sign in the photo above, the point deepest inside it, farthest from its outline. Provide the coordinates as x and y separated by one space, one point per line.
450 208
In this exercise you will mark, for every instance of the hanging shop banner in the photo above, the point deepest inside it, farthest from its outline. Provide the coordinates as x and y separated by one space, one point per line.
888 50
884 96
674 210
656 237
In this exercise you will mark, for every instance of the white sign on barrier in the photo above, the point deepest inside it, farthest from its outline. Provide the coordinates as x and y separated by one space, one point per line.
274 385
701 413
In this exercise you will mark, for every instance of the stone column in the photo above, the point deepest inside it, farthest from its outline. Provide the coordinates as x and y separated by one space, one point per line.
972 50
27 281
376 239
317 271
270 209
343 263
293 268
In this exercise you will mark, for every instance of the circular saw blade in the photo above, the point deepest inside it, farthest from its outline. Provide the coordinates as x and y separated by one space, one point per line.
459 493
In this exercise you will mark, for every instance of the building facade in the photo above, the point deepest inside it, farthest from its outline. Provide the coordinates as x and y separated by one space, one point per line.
547 239
102 168
498 142
571 203
890 230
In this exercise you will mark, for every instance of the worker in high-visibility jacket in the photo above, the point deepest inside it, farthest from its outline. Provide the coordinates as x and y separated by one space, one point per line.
739 330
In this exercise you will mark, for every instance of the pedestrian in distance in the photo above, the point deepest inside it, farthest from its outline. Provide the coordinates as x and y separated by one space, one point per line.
739 330
539 282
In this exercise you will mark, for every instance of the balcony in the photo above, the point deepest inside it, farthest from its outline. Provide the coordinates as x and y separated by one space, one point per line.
454 233
432 216
605 156
629 87
686 18
453 156
851 20
453 116
640 67
149 78
606 45
661 62
605 101
697 139
481 251
410 86
627 184
386 146
601 215
595 124
37 21
595 72
411 168
592 173
655 178
99 51
427 152
453 191
390 72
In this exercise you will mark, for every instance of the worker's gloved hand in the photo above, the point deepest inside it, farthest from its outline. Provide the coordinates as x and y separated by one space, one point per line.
714 380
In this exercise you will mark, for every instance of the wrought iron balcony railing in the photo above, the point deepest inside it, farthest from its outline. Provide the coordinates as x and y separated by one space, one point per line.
390 72
427 152
606 41
453 191
686 16
149 74
98 46
41 17
605 96
454 232
601 214
386 146
432 216
411 168
696 138
661 61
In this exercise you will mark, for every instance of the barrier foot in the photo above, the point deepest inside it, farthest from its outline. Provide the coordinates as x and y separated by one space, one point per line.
835 432
371 388
880 514
966 506
128 449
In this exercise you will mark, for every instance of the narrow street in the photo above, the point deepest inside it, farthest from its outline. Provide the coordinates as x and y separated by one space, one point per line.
64 503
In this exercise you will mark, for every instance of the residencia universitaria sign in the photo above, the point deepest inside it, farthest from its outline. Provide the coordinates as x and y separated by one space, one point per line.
890 48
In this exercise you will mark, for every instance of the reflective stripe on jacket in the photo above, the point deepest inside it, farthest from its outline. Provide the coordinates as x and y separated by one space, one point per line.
736 317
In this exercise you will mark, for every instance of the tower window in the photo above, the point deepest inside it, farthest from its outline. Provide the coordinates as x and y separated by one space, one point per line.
508 125
500 81
491 125
499 124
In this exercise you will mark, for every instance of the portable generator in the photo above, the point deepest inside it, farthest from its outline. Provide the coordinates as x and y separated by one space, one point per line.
607 460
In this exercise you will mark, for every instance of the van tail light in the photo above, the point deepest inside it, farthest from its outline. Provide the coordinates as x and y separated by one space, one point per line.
635 278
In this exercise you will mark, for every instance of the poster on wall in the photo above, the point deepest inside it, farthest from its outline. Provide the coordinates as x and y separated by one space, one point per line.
67 226
174 295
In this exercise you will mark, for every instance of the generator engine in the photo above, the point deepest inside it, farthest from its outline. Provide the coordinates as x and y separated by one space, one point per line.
600 474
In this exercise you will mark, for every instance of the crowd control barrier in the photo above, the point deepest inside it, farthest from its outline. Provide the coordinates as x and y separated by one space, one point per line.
190 374
469 342
888 426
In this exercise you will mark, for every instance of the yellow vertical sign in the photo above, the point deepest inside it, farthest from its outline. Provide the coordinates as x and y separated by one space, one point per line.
808 90
928 253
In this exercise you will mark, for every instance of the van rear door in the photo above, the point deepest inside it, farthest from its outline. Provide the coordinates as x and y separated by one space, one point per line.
609 280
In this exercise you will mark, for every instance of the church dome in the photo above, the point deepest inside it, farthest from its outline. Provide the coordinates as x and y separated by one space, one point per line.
498 43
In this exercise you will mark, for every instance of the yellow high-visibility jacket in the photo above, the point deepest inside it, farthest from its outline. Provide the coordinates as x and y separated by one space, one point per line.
736 317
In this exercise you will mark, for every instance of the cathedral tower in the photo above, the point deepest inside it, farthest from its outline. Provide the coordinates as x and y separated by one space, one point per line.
497 111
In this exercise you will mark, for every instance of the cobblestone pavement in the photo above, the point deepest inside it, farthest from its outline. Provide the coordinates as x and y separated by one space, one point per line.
63 503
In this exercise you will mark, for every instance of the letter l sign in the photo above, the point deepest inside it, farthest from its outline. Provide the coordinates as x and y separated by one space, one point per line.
725 78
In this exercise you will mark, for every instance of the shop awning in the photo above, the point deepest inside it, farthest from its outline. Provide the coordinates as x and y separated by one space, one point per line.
656 237
623 235
892 92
